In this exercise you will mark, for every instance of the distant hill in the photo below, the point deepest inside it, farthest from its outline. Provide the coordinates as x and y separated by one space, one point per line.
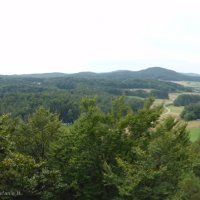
165 74
41 75
157 73
192 74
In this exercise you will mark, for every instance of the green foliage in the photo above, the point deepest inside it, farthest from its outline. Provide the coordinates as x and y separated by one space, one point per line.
191 112
186 99
135 103
118 154
155 169
7 127
138 93
84 166
189 185
21 174
33 180
37 134
24 104
160 94
21 95
194 134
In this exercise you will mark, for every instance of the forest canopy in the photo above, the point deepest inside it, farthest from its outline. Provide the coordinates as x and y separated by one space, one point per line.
21 96
120 154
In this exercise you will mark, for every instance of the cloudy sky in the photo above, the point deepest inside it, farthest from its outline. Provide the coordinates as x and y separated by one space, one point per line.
98 35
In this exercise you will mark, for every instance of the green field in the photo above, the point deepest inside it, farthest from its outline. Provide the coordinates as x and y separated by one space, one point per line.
159 101
193 124
188 83
194 134
194 129
175 109
193 84
173 96
135 97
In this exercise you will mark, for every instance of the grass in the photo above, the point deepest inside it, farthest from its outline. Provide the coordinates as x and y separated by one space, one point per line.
194 130
158 101
194 134
135 97
173 96
193 124
193 84
175 109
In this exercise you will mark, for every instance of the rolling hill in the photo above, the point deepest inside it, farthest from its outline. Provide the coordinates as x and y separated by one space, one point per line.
157 73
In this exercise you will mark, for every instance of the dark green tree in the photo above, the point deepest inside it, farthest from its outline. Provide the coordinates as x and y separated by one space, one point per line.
37 134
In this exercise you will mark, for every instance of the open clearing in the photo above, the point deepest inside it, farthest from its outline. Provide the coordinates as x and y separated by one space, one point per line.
175 109
194 130
135 97
193 84
194 134
193 124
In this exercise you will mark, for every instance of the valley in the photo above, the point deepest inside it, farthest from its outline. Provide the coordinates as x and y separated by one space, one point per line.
100 136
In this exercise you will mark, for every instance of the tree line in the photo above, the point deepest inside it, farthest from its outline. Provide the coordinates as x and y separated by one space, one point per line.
191 103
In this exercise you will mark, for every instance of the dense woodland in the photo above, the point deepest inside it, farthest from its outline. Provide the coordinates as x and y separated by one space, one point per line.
116 155
186 99
20 96
191 112
191 105
92 138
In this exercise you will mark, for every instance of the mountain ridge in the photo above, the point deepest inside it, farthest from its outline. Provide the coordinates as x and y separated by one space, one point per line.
158 73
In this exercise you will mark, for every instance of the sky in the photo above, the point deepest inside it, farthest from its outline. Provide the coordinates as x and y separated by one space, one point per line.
98 35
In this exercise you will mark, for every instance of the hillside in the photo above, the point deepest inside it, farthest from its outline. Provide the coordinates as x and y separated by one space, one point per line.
61 93
164 74
192 74
149 73
157 73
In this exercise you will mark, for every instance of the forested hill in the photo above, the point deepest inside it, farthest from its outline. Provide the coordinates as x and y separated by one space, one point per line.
21 95
150 73
165 74
81 137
